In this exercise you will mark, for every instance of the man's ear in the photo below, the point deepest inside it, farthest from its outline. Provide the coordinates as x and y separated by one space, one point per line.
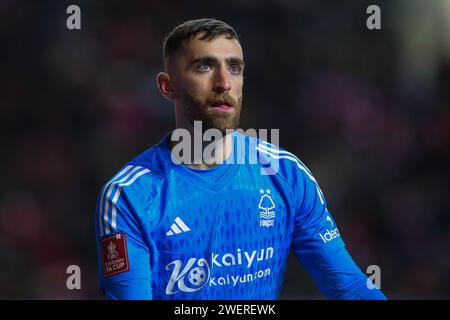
165 85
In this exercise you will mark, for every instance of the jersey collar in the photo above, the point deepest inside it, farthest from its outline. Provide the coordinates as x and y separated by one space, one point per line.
200 179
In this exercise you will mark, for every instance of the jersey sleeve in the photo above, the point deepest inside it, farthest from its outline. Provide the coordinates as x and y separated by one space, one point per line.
131 289
339 278
318 245
123 253
315 232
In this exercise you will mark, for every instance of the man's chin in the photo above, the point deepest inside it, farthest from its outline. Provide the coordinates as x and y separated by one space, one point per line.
222 122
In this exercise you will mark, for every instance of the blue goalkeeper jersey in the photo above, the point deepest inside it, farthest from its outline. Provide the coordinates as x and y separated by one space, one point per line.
166 231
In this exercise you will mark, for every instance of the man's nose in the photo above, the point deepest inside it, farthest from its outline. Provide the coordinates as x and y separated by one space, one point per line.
222 81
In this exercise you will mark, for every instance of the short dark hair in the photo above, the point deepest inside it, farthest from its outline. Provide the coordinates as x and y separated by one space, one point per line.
212 28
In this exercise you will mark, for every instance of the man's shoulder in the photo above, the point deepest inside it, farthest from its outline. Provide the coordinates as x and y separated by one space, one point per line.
146 168
278 153
261 145
153 160
281 161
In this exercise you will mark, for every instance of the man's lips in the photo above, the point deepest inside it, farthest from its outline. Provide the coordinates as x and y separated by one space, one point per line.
223 107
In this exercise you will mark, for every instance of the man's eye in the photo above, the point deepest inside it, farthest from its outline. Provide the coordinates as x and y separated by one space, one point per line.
203 67
235 69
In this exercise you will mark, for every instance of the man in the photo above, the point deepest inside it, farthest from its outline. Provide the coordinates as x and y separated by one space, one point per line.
174 225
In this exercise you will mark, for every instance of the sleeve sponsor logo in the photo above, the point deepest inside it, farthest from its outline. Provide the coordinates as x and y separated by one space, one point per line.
330 234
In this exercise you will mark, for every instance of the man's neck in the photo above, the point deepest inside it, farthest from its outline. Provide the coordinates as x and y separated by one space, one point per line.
199 159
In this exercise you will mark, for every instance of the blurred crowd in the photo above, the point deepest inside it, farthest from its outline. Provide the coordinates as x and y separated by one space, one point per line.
368 111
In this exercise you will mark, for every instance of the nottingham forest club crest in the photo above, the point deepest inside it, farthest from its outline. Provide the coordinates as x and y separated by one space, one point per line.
266 207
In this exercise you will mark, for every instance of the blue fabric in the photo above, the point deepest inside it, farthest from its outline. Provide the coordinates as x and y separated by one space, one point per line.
339 278
222 234
131 289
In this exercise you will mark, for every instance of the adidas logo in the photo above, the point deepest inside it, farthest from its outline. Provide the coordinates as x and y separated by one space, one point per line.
177 227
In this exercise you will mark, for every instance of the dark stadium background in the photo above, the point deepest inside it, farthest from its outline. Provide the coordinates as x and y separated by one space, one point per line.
367 111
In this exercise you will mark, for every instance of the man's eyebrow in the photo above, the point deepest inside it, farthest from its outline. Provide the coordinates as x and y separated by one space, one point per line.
236 60
213 61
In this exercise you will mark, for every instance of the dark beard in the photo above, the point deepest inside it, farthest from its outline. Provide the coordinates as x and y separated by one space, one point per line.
196 110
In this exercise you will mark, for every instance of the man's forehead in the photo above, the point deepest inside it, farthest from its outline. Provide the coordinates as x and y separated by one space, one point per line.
220 47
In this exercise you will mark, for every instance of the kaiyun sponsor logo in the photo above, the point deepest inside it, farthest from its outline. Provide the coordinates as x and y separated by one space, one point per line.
197 272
